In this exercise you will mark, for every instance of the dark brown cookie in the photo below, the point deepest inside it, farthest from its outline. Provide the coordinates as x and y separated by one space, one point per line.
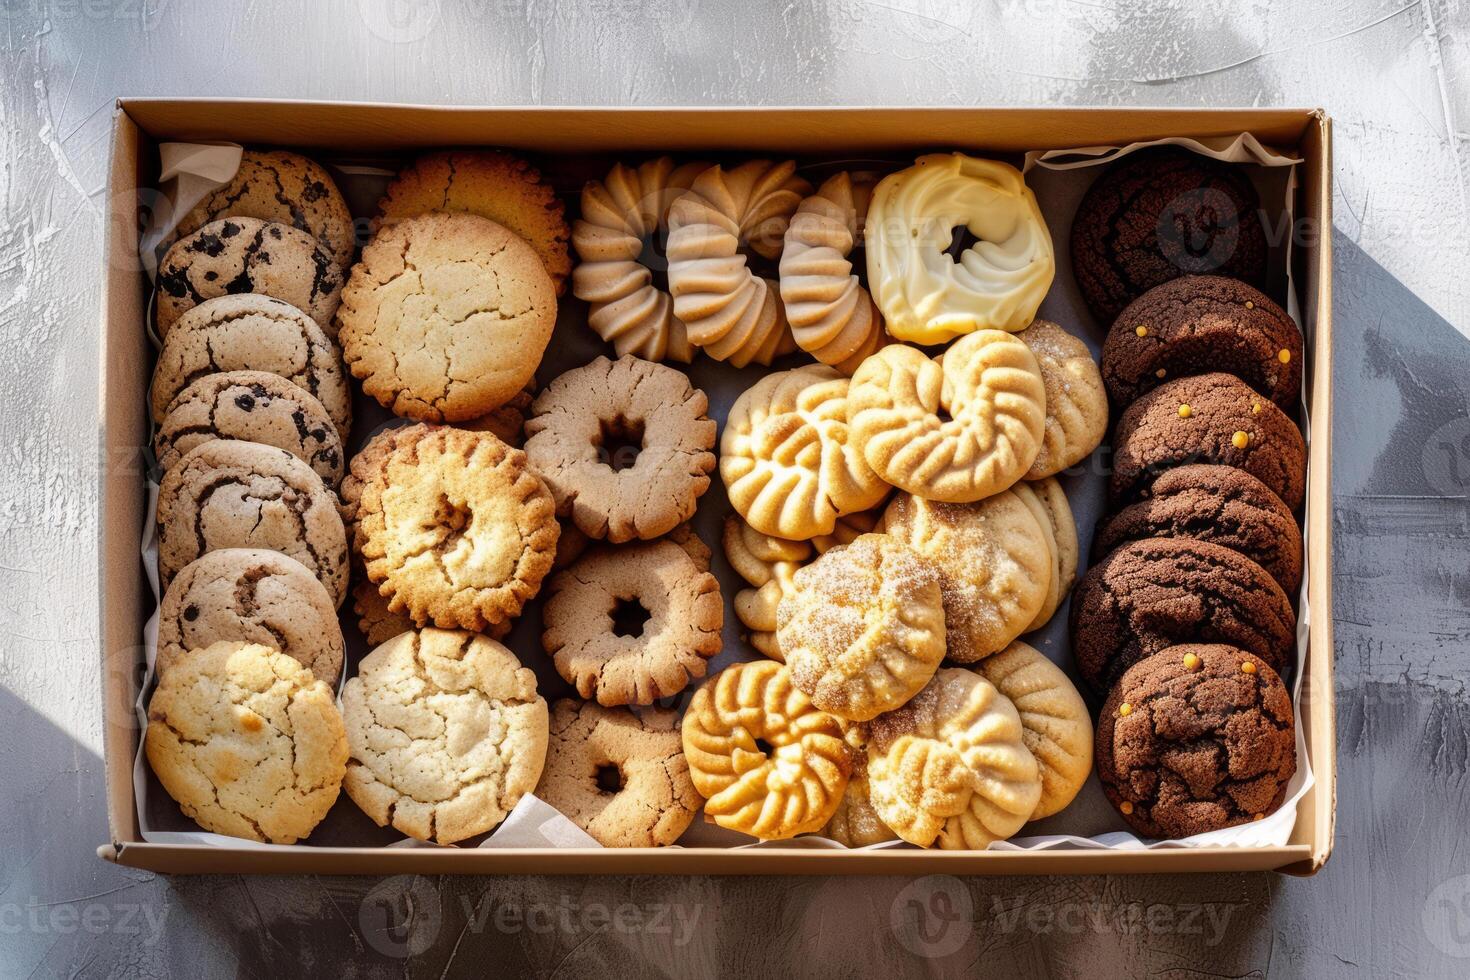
1218 504
1151 594
1199 325
1159 214
1210 418
1196 738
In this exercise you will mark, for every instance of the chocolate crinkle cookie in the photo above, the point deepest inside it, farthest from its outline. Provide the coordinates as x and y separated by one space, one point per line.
1196 738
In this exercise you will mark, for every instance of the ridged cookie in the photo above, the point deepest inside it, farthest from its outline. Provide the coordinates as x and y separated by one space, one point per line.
1048 504
1076 402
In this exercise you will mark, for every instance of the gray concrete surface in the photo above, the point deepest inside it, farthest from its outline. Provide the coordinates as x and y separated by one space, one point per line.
1394 900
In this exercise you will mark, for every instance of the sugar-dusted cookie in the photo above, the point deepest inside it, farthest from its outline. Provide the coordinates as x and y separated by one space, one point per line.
445 317
619 774
285 187
251 333
252 406
624 447
766 760
492 184
995 564
1048 504
1076 402
251 596
957 429
787 457
246 255
446 731
951 766
862 627
231 494
1196 738
247 741
1055 724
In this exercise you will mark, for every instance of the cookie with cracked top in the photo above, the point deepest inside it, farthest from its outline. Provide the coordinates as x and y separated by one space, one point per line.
246 255
1196 738
1210 418
1160 213
252 406
619 774
1200 325
1148 595
277 185
1218 504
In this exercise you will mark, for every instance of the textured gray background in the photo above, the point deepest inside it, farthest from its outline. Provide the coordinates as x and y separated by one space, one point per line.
1394 900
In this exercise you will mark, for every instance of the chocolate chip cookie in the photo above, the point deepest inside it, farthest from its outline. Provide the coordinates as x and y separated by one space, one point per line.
247 255
1196 738
1161 213
1199 325
1148 595
1218 504
1211 418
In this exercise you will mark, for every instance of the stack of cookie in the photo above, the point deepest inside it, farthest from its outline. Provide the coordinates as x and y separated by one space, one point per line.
1185 623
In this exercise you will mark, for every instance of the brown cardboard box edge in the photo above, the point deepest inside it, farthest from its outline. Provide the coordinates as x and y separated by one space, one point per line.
364 126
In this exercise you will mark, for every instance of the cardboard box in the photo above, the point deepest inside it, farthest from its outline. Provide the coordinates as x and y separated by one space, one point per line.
139 124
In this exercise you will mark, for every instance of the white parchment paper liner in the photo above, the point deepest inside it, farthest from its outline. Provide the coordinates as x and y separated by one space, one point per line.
191 170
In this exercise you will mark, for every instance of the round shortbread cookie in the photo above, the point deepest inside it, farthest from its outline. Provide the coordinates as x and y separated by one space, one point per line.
1076 401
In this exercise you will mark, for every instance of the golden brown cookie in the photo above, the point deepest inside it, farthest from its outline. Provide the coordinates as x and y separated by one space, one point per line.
455 527
635 623
247 741
494 185
862 628
624 447
624 223
446 316
995 565
856 823
958 429
787 457
1048 504
446 731
768 564
379 624
619 774
1076 402
767 762
505 423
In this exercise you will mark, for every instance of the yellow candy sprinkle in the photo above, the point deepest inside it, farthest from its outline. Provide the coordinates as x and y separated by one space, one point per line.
1255 408
1191 661
1185 411
1126 807
1159 373
1284 357
1125 709
1250 305
1240 440
1259 816
1141 330
1247 667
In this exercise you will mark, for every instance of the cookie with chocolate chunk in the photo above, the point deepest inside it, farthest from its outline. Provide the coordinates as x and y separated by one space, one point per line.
1196 738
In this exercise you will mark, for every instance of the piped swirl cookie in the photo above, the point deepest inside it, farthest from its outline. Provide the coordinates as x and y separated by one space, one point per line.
787 456
958 429
766 760
730 312
832 316
926 296
624 216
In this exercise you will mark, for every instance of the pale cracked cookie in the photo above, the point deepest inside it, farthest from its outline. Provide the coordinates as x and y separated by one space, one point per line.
455 527
624 447
231 494
446 732
445 316
277 185
494 185
1048 504
631 624
1055 723
251 596
252 333
1076 401
246 255
862 628
248 742
619 774
252 406
995 565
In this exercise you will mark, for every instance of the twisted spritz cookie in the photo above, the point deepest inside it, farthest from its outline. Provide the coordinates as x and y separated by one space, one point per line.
767 762
729 311
956 429
787 457
623 215
832 316
998 282
952 766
